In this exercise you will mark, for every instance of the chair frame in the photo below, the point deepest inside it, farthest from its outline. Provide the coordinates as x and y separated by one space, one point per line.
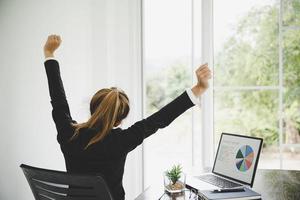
48 184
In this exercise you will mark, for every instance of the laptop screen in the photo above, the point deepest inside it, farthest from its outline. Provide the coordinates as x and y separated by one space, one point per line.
237 157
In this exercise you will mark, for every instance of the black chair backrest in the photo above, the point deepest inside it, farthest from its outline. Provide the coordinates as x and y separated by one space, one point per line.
49 185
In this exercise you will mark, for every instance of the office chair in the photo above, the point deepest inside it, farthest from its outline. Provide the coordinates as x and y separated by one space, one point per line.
56 185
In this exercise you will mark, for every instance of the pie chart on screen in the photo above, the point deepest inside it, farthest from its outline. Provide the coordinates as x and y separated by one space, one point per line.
244 158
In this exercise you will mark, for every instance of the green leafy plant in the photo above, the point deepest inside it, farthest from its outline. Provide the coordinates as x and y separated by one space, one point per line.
174 174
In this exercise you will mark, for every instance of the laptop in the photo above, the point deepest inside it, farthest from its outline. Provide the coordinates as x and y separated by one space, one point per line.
234 166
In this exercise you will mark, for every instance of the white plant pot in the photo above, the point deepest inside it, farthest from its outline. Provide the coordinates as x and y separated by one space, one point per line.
177 187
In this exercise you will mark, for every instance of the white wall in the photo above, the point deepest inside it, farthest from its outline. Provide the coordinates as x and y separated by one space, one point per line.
100 48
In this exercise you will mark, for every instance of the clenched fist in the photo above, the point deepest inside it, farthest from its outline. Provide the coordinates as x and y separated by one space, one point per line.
51 45
203 74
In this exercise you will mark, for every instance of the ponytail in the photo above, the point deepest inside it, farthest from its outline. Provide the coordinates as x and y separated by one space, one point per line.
108 108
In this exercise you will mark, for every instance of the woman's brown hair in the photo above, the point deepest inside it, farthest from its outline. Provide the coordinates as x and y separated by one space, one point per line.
108 108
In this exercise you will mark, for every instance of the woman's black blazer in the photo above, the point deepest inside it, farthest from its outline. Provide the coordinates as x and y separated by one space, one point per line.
108 156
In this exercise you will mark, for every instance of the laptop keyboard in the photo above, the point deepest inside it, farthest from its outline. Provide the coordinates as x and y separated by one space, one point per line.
218 181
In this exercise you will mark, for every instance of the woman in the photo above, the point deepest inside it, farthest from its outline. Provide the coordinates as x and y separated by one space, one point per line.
98 146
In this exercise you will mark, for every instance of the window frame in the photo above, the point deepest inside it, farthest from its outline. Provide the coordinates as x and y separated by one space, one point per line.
279 88
207 101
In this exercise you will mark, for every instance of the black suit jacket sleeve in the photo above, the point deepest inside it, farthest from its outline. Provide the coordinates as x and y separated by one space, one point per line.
60 112
134 135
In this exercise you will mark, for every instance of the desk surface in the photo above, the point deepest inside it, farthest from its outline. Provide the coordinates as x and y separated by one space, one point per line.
271 184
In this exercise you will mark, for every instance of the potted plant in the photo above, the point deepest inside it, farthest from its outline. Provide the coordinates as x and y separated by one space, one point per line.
174 180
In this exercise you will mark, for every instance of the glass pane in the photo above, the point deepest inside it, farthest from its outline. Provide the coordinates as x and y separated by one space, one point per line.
245 42
291 55
167 73
291 12
291 117
291 157
270 157
251 113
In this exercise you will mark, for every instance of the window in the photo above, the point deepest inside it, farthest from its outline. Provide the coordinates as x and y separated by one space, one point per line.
256 76
169 48
253 46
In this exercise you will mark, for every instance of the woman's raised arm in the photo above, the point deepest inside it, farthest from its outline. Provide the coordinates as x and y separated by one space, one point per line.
61 112
135 134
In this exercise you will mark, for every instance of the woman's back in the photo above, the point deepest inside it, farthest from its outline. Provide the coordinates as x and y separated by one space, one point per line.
104 157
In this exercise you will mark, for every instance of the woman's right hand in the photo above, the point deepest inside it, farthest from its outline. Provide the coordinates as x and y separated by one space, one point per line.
203 74
51 45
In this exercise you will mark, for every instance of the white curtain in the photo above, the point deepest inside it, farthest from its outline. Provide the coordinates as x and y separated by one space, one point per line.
101 48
